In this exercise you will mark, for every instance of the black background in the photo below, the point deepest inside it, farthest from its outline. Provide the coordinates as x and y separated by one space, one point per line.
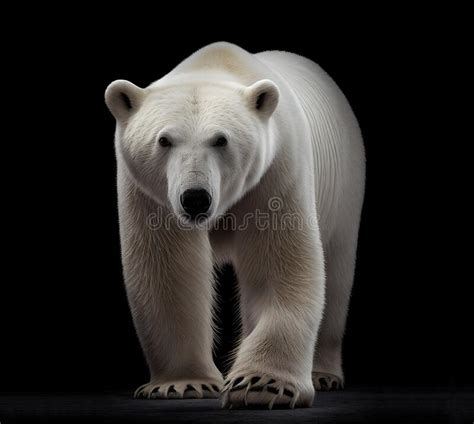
65 320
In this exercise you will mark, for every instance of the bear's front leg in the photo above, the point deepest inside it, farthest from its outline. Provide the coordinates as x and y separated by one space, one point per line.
168 277
281 276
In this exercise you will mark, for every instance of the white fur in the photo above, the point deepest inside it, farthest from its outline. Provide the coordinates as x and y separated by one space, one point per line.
302 146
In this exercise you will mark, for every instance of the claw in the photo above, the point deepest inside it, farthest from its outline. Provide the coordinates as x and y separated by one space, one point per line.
154 390
192 388
150 390
198 391
137 392
277 395
237 381
295 398
171 389
270 405
246 391
189 387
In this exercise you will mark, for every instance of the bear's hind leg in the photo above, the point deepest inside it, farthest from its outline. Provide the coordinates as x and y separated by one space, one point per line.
327 365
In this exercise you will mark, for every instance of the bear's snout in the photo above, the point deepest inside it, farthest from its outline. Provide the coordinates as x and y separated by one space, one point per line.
196 202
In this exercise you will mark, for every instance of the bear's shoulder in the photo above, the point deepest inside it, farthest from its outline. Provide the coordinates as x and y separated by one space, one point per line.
223 57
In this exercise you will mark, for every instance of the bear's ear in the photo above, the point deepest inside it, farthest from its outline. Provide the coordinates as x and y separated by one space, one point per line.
263 97
123 99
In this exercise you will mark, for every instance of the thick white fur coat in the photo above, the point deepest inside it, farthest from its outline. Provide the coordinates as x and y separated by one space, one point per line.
293 149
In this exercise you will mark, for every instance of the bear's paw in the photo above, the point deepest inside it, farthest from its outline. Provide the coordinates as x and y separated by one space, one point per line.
259 390
325 381
192 389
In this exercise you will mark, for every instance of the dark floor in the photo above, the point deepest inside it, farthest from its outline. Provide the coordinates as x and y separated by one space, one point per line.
356 405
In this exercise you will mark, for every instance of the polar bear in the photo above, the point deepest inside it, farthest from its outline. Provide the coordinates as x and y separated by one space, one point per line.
233 134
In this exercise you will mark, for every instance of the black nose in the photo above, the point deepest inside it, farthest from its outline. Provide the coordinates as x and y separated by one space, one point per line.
195 202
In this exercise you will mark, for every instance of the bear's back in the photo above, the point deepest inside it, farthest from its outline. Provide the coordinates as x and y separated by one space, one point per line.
338 152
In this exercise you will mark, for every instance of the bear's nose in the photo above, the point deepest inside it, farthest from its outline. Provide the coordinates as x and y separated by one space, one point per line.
195 202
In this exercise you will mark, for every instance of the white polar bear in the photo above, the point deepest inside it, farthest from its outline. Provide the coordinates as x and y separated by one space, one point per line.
229 132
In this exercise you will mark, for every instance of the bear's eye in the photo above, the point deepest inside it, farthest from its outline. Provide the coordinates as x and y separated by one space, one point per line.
164 142
220 142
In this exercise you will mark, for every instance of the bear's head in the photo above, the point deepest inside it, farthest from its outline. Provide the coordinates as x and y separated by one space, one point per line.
196 147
